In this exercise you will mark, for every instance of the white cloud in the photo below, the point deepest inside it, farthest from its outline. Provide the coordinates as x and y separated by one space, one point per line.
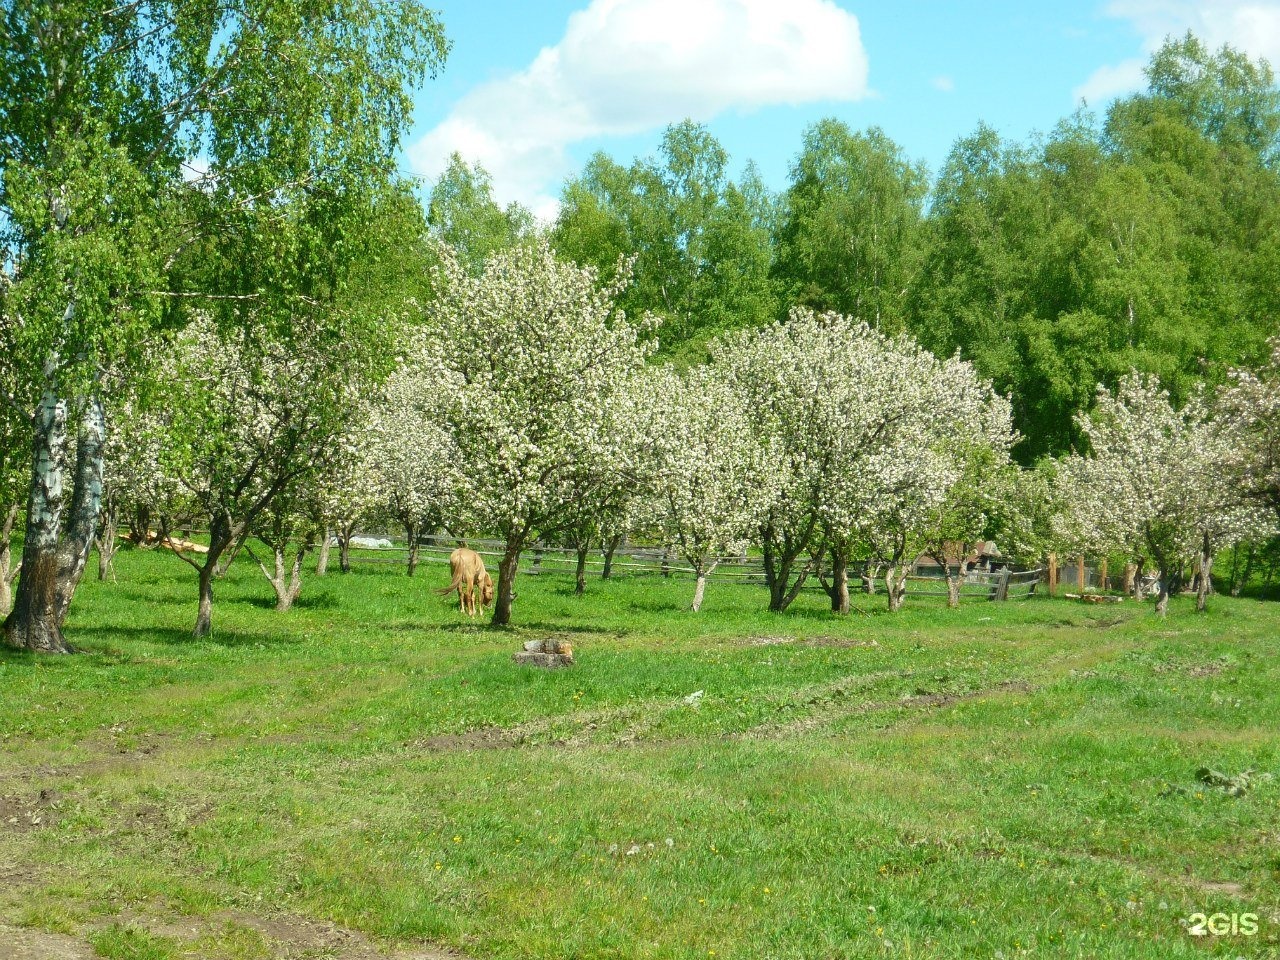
944 83
1109 82
626 66
1249 25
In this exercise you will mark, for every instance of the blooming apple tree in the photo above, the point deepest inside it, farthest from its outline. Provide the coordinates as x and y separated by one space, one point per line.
604 499
415 465
872 434
250 416
536 351
346 495
709 467
961 496
1156 484
1251 404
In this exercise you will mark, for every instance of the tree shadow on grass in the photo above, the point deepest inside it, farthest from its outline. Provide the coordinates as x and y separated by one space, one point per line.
559 628
308 601
102 637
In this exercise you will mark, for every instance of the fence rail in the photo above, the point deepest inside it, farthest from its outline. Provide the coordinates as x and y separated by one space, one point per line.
652 561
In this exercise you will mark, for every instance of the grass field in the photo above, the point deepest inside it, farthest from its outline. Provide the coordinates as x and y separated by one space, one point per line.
371 773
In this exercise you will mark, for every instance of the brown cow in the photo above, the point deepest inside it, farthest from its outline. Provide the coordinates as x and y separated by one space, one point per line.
469 574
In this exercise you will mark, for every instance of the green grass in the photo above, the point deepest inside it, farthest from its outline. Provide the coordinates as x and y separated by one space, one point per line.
1016 778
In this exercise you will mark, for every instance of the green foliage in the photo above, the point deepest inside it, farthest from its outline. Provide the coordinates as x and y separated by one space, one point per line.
700 241
259 104
1142 244
463 214
849 236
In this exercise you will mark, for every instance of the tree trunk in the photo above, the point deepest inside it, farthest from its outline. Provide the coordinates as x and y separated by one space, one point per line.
32 624
610 546
204 616
1240 581
7 570
221 536
666 562
507 569
411 529
840 582
869 576
1204 584
580 574
1139 588
287 590
780 597
953 587
322 556
107 543
700 583
345 533
141 527
228 555
895 581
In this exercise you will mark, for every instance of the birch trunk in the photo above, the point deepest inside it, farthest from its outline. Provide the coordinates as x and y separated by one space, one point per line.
33 623
86 503
7 569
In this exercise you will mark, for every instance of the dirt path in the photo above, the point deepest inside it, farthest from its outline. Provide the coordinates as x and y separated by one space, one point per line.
287 937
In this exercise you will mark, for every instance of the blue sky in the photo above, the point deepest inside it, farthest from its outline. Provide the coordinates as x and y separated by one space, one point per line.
533 87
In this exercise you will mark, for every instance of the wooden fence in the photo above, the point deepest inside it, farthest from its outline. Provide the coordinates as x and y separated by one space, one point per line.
632 560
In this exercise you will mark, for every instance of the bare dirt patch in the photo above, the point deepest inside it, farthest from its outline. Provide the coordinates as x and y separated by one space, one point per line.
18 943
823 641
288 936
22 812
486 738
298 936
920 700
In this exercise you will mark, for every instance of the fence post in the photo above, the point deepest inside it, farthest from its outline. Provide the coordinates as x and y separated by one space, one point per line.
1080 574
1002 589
1053 574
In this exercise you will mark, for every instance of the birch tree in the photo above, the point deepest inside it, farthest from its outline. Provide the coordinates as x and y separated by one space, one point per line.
14 474
137 139
535 351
